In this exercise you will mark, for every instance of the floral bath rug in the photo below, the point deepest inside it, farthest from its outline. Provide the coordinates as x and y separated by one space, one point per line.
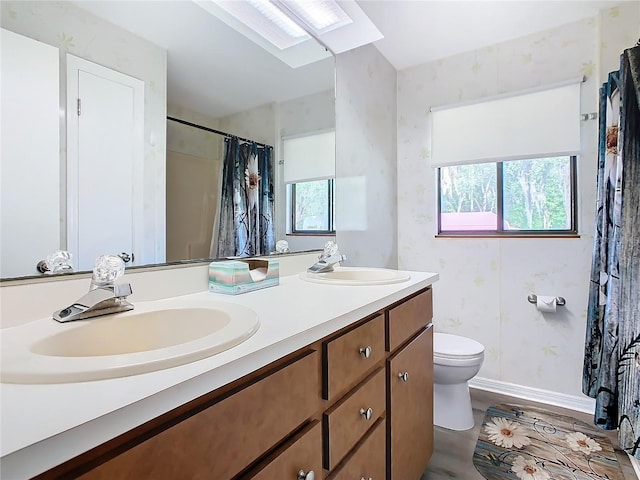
527 443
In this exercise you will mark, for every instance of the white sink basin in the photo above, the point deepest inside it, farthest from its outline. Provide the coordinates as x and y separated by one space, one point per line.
357 276
153 336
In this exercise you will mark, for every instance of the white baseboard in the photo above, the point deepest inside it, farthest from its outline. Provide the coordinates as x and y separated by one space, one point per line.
578 403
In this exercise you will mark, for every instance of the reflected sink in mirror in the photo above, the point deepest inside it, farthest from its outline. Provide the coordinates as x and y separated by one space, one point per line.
357 276
146 339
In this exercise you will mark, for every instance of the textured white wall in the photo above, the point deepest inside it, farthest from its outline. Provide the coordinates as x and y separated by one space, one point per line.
366 222
484 282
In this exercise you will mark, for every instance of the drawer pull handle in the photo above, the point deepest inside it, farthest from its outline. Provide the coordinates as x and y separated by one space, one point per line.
366 413
365 352
404 376
366 478
306 476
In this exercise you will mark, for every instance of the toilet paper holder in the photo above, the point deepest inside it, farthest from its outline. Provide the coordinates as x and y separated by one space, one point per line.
533 298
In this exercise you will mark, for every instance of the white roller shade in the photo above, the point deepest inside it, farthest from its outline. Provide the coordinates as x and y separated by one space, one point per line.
541 124
312 157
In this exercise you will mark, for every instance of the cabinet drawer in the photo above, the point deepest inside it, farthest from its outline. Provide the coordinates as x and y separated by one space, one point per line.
368 460
407 318
410 408
346 422
302 452
218 442
348 357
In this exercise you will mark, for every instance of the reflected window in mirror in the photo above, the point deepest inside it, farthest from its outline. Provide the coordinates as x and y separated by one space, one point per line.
312 207
309 171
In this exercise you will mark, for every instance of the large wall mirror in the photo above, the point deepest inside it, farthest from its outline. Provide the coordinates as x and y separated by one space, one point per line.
171 59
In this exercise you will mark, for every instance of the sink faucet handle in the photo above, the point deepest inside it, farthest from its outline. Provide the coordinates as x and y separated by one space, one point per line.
106 269
330 249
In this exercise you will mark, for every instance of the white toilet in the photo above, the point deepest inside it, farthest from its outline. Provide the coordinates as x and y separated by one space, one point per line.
456 360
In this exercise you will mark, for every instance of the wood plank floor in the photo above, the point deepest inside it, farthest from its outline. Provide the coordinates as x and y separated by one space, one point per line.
453 451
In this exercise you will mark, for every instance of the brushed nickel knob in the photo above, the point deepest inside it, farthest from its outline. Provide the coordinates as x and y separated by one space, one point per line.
367 414
306 476
365 351
404 376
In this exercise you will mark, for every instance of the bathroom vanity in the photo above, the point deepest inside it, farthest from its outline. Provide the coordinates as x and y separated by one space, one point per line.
338 385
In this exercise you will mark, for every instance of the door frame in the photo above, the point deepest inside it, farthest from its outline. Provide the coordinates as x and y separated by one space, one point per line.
74 65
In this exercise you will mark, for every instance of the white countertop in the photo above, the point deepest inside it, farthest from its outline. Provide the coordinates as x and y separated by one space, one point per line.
45 425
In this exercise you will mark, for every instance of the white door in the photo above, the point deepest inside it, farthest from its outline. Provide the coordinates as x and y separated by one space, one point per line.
105 128
30 154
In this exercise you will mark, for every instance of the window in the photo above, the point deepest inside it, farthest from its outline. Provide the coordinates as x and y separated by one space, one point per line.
507 165
309 170
312 207
532 196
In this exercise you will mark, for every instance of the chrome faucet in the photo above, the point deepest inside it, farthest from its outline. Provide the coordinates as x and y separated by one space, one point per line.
104 296
327 259
100 301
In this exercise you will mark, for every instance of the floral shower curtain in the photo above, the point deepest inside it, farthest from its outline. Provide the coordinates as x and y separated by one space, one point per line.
611 372
247 201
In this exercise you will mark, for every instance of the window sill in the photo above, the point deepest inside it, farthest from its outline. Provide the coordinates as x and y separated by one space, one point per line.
311 234
507 235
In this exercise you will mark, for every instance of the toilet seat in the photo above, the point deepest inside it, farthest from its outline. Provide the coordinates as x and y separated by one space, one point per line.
448 349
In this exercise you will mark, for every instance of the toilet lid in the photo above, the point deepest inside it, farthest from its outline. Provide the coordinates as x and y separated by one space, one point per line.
447 345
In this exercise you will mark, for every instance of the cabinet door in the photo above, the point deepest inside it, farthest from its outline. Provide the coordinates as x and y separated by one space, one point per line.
368 460
223 439
410 409
303 453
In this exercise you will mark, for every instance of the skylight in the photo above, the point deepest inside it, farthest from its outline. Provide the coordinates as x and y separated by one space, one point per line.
287 28
268 20
320 16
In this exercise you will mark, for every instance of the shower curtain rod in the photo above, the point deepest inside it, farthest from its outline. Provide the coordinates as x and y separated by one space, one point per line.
224 134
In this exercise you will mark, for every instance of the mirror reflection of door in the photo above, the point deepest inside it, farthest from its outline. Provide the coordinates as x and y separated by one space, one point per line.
30 148
105 142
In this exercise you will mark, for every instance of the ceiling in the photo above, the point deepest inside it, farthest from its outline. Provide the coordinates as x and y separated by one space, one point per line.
201 47
420 31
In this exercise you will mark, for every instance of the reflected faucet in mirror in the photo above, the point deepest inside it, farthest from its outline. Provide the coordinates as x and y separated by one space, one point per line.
104 297
327 260
59 261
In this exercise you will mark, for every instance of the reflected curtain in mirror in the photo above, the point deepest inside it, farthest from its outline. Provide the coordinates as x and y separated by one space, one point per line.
246 225
611 371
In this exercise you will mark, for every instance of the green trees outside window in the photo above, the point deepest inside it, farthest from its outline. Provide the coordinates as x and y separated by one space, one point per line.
312 207
519 196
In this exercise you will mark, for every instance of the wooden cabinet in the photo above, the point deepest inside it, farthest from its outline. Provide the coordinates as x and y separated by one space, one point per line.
348 420
407 318
368 458
349 356
410 386
410 379
356 404
404 332
218 441
303 453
